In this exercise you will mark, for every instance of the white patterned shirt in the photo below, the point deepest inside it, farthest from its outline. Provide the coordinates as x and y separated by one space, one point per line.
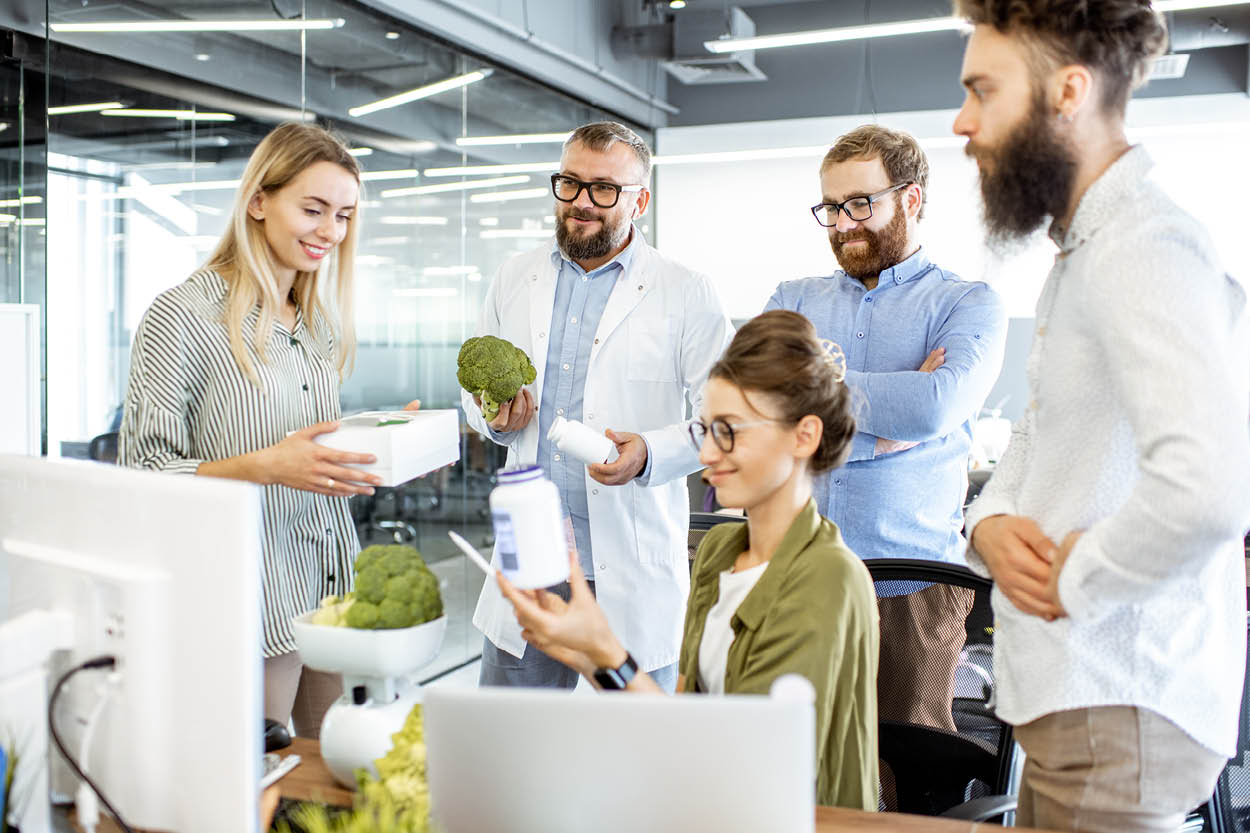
1137 433
189 402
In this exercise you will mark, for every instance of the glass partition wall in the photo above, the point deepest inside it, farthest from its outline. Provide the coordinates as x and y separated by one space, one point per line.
147 135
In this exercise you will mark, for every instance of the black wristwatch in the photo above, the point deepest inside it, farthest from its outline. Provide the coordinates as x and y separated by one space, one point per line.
615 679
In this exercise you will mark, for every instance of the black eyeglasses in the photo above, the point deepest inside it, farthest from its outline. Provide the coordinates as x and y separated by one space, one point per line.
602 194
722 431
857 208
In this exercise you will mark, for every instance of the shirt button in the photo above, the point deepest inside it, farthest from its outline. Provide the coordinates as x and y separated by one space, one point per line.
594 491
573 320
329 531
596 341
566 367
640 287
555 457
560 411
330 579
837 482
867 299
859 335
305 387
542 335
602 567
294 342
584 279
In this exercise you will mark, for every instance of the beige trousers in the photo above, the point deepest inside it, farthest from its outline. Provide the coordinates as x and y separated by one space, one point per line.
299 694
1108 769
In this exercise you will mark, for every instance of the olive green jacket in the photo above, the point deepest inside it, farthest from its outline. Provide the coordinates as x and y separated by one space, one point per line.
812 612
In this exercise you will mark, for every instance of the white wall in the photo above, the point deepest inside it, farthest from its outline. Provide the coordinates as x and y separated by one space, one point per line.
747 223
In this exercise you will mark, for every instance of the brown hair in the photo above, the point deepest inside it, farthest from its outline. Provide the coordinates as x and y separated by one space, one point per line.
1117 39
900 154
778 354
601 135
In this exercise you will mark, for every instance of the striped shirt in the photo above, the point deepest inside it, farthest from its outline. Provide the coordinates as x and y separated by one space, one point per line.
188 402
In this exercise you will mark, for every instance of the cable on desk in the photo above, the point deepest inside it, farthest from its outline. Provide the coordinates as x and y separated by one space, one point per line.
98 662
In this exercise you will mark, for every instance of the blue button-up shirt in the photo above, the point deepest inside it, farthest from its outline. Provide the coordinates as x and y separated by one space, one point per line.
908 504
580 300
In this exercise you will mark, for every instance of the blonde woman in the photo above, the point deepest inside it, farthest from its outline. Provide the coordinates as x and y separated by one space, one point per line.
249 349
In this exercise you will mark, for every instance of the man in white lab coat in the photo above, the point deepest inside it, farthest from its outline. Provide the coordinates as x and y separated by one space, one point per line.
622 339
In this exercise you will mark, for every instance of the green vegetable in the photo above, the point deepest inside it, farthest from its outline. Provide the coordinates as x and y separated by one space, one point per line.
394 589
493 370
397 802
393 422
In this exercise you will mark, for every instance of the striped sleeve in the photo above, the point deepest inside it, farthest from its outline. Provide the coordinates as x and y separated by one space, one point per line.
155 432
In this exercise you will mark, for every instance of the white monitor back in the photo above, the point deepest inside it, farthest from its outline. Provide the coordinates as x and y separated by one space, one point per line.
529 761
163 572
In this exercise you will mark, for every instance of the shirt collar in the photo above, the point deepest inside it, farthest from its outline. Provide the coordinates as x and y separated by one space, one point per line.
1103 198
625 259
802 530
905 270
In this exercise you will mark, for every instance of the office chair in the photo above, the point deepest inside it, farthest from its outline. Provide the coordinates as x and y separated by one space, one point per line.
1228 811
700 523
963 769
103 448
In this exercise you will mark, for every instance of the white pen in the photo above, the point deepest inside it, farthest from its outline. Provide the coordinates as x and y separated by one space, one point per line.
473 554
287 764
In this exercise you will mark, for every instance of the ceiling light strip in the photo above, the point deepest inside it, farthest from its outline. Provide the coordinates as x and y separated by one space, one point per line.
417 190
517 139
180 115
845 33
84 108
199 25
420 92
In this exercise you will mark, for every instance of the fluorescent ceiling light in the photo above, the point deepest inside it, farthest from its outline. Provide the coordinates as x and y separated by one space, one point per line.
358 152
449 270
84 108
7 218
21 201
518 139
406 173
373 260
475 170
180 115
34 221
417 190
497 233
420 92
389 241
488 221
413 221
507 196
432 292
199 25
844 33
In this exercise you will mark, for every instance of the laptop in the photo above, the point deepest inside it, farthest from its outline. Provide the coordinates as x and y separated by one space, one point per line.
503 760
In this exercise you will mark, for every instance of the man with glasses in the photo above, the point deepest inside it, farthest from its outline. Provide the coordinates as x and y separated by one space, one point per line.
923 349
622 339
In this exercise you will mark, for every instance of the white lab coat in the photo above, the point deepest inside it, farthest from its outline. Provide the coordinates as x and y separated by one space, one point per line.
661 331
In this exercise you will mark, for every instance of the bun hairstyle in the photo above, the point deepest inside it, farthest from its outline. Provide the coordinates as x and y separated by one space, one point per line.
779 354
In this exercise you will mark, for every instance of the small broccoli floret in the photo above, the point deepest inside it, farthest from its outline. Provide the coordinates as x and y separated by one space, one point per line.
367 557
371 583
362 615
427 600
393 613
402 588
493 369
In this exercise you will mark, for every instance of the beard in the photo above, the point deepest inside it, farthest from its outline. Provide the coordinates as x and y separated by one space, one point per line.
885 248
586 245
1026 180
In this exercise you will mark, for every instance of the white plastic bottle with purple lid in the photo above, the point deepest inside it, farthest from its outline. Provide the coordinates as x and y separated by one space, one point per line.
529 529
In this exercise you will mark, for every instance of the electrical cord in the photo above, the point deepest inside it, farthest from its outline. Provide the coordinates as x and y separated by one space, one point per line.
98 662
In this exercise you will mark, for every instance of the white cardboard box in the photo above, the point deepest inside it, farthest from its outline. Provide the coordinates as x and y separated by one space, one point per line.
422 442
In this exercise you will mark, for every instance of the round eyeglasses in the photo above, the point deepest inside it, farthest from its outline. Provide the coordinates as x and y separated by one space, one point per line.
602 194
856 208
722 431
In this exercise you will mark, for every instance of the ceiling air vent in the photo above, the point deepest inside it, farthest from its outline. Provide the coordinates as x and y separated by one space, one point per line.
1169 66
693 64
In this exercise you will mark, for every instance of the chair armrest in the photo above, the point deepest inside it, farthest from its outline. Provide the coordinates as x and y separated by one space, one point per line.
982 809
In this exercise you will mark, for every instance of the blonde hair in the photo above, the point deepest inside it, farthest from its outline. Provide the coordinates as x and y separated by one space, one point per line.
245 261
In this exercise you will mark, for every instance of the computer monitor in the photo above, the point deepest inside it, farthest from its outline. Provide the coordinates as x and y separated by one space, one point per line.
162 572
532 761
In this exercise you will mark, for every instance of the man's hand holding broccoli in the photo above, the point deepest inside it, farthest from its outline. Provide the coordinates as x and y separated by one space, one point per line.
632 449
494 371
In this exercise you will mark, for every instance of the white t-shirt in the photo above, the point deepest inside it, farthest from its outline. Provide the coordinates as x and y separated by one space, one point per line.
718 634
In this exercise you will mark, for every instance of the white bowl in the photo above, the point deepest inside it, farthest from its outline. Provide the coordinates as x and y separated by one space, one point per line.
387 652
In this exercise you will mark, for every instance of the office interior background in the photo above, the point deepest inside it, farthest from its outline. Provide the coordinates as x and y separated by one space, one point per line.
105 206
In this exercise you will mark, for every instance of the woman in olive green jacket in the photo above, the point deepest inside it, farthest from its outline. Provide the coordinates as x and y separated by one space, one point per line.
779 594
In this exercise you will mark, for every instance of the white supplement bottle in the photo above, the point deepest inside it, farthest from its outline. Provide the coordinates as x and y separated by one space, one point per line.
580 441
529 529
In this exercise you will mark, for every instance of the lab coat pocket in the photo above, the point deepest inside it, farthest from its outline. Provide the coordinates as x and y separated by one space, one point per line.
652 350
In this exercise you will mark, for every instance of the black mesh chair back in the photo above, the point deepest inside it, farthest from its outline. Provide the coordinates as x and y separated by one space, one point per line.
700 523
941 742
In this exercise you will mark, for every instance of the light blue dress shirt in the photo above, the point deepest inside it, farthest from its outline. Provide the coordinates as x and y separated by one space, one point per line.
907 504
580 300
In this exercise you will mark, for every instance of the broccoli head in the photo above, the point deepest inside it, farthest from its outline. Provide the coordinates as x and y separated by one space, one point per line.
493 369
394 588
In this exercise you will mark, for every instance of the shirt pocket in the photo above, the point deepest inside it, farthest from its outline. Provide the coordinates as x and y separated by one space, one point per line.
653 350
